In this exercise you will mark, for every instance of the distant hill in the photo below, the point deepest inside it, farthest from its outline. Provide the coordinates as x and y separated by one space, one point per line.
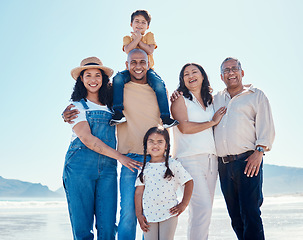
277 180
17 188
282 180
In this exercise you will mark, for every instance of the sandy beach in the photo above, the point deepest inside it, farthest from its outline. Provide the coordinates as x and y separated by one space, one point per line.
29 219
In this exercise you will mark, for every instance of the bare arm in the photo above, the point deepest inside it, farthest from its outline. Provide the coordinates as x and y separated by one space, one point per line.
83 131
136 36
148 48
188 190
139 209
179 112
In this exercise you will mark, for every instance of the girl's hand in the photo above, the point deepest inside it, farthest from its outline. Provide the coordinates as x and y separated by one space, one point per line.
143 223
130 163
177 210
218 115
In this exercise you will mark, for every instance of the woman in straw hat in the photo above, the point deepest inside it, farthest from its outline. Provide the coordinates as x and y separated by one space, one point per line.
90 169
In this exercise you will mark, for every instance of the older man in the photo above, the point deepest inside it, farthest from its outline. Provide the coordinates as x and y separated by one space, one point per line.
245 132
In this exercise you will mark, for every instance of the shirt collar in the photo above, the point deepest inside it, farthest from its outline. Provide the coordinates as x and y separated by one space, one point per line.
247 88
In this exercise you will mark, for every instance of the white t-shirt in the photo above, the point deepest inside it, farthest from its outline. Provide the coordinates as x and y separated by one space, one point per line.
197 143
160 193
82 115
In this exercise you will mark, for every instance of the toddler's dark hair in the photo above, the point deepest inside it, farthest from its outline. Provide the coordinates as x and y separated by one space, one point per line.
143 13
162 131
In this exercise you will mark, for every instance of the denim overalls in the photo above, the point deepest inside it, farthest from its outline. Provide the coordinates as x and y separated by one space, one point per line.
90 182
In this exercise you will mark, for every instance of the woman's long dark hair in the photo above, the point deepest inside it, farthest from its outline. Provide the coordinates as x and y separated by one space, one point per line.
105 91
205 89
162 131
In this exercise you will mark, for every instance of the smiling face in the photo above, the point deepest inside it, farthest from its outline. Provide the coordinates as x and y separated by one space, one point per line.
193 78
137 64
156 146
139 24
232 75
92 80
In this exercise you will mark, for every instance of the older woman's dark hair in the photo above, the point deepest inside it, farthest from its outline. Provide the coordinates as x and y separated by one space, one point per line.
105 91
205 89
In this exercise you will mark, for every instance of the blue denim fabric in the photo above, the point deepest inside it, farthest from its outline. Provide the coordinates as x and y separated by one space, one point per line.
243 197
90 182
119 80
154 81
128 220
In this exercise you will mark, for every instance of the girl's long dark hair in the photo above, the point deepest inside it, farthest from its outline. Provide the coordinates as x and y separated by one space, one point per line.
162 131
206 90
105 91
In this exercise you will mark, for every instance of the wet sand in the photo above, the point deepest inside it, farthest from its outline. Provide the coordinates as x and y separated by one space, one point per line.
49 220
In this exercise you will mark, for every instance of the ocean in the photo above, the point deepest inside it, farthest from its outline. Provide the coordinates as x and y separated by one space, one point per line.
47 219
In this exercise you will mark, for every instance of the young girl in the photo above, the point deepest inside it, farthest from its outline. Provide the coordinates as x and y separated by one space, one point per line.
90 169
156 201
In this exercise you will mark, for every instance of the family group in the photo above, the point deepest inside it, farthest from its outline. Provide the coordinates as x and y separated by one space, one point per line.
128 121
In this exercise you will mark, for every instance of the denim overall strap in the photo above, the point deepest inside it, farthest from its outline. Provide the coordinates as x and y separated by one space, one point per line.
82 101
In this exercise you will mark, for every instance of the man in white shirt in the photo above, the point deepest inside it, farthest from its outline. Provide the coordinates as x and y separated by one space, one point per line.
242 136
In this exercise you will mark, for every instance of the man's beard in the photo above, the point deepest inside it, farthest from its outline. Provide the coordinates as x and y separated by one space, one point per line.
138 79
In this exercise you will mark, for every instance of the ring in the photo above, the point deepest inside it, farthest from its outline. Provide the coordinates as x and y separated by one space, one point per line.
62 115
254 167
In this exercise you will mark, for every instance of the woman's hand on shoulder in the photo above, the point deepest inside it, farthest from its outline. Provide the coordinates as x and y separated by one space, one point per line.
130 163
68 115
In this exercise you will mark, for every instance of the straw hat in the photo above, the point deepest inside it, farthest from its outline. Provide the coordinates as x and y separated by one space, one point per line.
91 62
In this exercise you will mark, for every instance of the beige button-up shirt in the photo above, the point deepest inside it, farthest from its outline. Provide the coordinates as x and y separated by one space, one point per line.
247 123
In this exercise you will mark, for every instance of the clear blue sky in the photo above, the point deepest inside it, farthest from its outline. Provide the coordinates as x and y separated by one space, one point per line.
41 41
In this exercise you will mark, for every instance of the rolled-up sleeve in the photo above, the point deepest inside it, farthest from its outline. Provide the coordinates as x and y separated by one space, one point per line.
247 123
265 130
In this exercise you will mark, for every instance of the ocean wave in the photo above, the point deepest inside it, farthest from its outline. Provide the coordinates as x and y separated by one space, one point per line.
7 204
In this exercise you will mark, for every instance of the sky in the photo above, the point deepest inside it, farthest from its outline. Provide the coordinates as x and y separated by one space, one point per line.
42 40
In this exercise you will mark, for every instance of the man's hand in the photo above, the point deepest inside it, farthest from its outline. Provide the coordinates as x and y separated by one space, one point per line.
175 95
143 223
253 164
68 115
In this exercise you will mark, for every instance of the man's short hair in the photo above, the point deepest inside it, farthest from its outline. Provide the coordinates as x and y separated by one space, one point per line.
135 50
230 58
